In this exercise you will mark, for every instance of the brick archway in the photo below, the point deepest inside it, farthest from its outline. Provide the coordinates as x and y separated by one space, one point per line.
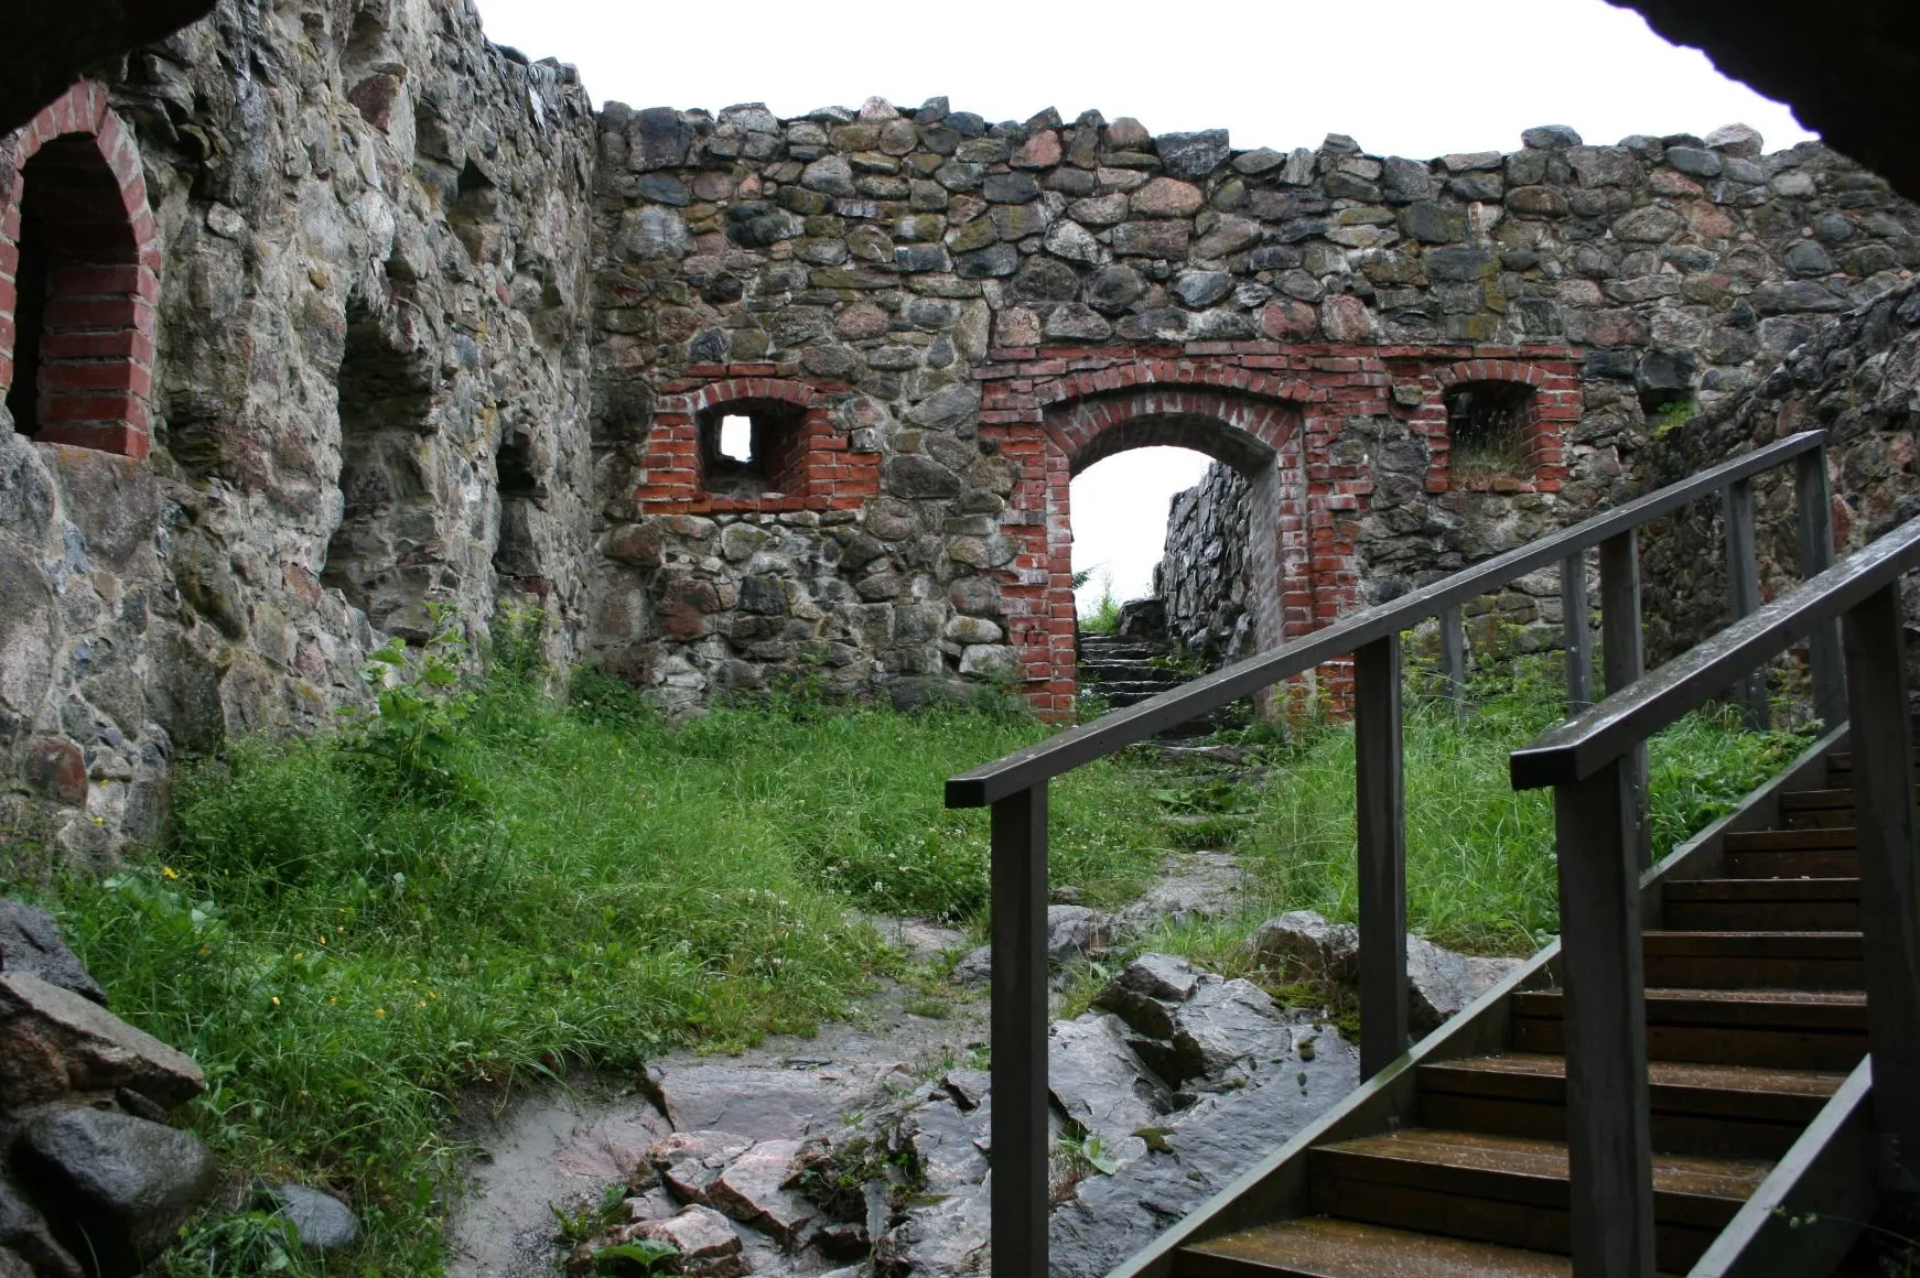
79 277
1259 435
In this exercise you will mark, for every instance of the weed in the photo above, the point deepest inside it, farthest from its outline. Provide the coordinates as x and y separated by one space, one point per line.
1104 617
633 1259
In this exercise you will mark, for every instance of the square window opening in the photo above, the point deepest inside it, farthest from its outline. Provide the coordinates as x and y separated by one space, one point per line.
752 450
1488 430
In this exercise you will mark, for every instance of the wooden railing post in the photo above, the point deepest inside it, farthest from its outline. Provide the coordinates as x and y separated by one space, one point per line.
1380 798
1816 556
1623 659
1578 635
1743 588
1453 659
1882 743
1609 1129
1019 1034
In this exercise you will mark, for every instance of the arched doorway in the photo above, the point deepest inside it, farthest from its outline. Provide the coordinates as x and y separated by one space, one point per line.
1258 437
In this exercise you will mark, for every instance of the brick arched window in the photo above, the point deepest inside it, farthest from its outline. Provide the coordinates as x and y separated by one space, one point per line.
79 279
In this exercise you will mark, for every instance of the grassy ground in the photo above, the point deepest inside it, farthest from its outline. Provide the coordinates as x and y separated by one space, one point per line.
482 887
1480 867
348 934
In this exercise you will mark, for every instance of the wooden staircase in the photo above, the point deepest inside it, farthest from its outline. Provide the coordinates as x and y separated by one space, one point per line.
1755 1014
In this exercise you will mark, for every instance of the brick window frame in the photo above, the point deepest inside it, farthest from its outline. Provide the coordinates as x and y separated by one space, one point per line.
811 461
96 341
1550 410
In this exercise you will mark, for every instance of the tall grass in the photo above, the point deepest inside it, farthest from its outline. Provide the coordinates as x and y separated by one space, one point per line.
347 955
1481 874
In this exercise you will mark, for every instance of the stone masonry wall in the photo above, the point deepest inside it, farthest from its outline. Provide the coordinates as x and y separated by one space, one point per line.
359 359
1858 379
963 315
1203 575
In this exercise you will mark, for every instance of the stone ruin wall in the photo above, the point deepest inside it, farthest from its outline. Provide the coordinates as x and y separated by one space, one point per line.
973 312
1202 578
1859 380
408 323
363 237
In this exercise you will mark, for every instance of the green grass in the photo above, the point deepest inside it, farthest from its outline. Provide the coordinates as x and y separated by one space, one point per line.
351 937
482 888
1480 867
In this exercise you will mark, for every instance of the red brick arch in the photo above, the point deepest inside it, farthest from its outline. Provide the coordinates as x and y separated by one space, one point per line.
1252 422
96 332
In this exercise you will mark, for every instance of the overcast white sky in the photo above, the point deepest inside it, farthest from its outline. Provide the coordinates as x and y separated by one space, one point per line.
1402 77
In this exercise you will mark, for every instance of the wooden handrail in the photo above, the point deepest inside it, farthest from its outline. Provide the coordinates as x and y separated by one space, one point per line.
1576 749
1586 761
1113 732
1016 789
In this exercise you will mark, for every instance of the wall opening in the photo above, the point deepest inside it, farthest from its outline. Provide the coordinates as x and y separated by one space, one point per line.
1490 429
516 556
81 304
386 555
475 213
753 449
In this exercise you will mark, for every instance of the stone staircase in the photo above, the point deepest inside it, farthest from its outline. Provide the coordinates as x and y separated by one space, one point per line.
1122 671
1756 1013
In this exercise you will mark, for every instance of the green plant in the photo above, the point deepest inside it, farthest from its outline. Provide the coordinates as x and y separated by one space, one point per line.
243 1244
591 1221
1104 617
1089 1154
411 738
642 1257
1671 416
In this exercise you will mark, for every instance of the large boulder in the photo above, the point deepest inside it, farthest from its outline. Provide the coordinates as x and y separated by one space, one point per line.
54 1042
115 1188
1440 982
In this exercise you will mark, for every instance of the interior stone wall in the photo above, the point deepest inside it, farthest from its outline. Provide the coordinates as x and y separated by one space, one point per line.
361 212
950 295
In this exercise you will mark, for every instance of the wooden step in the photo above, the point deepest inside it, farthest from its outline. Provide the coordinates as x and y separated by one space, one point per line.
1742 960
1756 905
1791 841
1322 1247
1729 1111
1777 1029
1512 1190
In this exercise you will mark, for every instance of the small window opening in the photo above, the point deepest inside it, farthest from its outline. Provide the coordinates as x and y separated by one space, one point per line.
517 554
753 450
76 280
475 213
1488 424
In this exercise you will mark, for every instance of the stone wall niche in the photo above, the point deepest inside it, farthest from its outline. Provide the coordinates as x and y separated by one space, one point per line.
387 555
1489 429
79 278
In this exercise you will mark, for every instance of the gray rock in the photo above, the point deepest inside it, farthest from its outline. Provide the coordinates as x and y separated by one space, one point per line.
752 1190
1100 1083
1199 289
30 942
324 1222
1193 155
1441 984
24 1236
1306 937
688 1162
53 1041
705 1243
114 1188
1201 1151
1548 136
